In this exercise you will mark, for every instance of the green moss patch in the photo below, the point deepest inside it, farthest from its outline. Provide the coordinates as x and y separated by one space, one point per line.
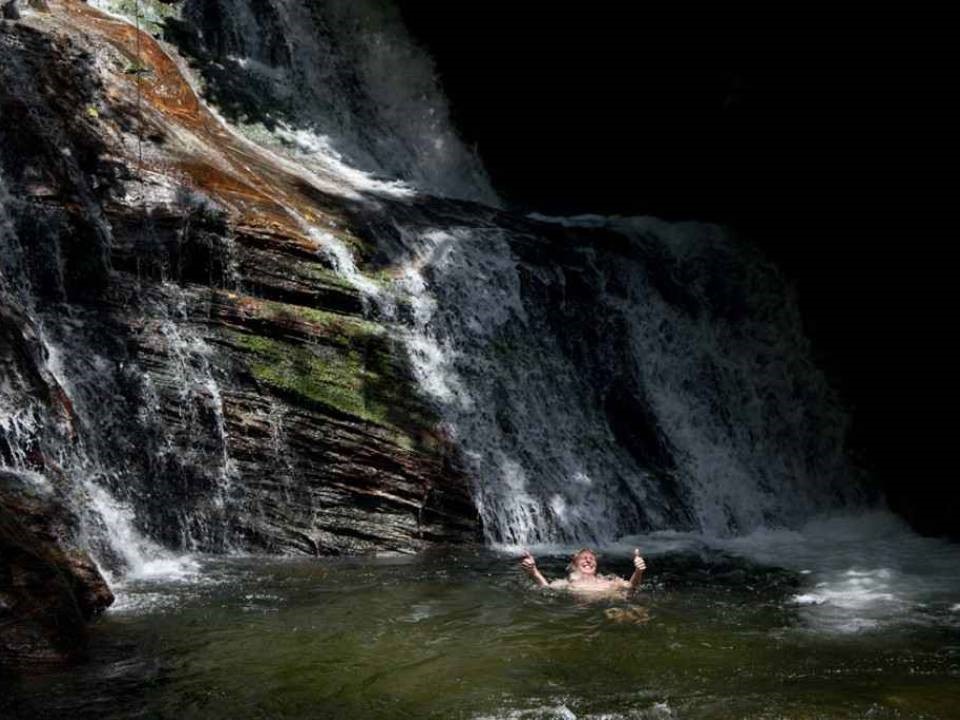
342 362
345 330
318 373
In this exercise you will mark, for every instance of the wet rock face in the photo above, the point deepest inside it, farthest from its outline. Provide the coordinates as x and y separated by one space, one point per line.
9 10
49 588
181 340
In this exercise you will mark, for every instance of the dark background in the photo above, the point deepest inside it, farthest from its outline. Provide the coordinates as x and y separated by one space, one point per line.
822 135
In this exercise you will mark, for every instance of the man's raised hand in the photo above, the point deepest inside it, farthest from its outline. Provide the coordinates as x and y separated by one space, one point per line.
529 566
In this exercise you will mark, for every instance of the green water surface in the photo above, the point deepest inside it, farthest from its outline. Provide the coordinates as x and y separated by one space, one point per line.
462 634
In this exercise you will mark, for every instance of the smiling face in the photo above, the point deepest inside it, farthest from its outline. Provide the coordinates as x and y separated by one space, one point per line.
585 563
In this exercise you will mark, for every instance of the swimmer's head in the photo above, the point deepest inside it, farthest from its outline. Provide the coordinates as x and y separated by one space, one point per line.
584 562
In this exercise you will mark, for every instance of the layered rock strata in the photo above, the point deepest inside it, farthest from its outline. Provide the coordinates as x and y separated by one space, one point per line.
224 382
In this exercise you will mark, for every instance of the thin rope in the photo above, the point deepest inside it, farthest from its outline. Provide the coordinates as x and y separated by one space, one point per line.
139 72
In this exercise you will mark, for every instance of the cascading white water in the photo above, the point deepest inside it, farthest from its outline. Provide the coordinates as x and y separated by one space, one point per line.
198 395
344 81
107 524
543 462
753 433
747 431
612 395
174 377
760 435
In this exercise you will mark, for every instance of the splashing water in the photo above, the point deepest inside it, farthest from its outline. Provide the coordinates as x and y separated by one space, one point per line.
601 376
860 572
339 86
670 386
107 525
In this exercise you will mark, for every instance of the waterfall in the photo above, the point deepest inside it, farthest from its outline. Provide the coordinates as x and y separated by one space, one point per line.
646 376
339 79
65 434
60 407
653 376
597 376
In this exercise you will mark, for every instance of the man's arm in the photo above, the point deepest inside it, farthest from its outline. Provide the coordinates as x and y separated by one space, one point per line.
529 566
638 567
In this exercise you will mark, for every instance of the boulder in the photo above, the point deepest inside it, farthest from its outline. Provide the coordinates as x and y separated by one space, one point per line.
49 588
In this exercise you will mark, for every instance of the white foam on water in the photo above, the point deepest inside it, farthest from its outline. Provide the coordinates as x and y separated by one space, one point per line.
143 559
544 712
860 572
157 583
560 710
143 603
181 568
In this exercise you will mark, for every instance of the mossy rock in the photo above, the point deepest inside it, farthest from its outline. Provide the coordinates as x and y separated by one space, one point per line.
341 362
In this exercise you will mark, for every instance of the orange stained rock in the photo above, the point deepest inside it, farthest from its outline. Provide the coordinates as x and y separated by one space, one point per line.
245 179
164 88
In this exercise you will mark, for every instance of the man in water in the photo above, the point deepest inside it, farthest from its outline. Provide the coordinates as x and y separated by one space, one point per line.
583 578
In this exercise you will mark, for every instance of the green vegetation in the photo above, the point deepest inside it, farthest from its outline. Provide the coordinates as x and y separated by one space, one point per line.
319 373
344 329
152 14
325 277
342 362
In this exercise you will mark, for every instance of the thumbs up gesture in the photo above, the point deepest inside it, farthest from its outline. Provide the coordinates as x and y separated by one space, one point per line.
638 562
529 566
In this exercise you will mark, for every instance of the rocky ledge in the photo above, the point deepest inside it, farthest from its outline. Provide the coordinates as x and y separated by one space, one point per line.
174 333
235 391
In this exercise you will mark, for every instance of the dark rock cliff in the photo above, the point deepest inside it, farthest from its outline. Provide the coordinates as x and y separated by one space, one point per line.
172 249
48 587
220 338
171 332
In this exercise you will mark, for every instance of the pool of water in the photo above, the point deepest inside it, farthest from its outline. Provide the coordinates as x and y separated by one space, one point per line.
748 628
